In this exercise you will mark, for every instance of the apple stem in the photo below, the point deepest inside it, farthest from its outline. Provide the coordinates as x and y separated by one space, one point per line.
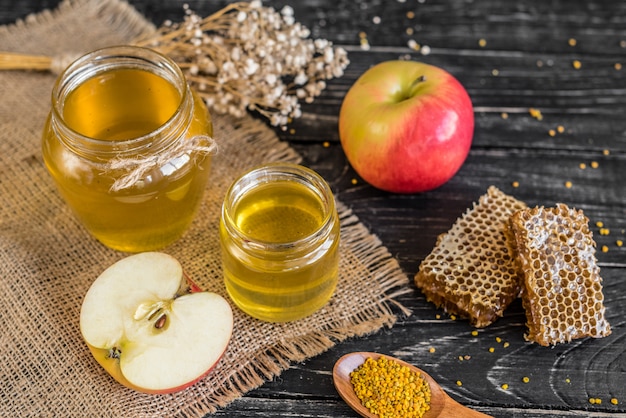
418 80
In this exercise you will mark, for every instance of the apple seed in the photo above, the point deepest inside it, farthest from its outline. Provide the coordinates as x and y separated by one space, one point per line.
160 323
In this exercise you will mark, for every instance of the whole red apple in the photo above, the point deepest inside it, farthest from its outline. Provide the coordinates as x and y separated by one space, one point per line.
406 126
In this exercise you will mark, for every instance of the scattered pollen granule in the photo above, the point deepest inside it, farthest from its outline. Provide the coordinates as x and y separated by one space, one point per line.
413 45
614 401
568 380
432 350
606 152
506 344
491 349
410 31
459 383
577 64
410 14
571 42
438 316
504 115
582 166
617 66
504 386
552 132
568 184
599 224
326 144
498 340
354 181
474 333
365 45
619 242
560 129
515 184
604 231
482 42
605 249
495 72
535 113
292 131
525 379
594 164
453 317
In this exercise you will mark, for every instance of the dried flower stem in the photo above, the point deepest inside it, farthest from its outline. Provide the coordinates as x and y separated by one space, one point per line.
250 57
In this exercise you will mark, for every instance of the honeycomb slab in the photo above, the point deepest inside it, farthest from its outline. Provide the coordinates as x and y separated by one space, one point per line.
562 288
471 272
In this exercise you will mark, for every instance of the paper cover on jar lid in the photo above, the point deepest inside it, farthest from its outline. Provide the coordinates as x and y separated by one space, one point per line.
562 287
471 271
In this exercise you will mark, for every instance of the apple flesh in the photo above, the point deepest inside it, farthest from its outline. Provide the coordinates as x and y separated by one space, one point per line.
151 327
406 126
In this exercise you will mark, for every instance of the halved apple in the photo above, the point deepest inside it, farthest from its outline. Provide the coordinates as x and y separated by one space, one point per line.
151 327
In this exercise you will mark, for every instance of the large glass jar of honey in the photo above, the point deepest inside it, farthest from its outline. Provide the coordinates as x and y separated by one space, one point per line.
128 144
279 234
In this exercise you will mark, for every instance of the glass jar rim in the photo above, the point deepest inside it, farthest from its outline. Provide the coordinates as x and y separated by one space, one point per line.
272 172
105 59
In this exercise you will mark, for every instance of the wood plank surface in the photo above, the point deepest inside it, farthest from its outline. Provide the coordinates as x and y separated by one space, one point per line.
511 57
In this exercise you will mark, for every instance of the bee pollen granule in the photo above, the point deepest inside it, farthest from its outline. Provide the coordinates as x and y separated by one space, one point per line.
389 389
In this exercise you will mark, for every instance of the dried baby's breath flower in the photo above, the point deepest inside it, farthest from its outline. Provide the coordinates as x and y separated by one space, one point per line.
250 57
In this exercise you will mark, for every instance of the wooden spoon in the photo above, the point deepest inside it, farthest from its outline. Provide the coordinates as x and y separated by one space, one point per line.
441 404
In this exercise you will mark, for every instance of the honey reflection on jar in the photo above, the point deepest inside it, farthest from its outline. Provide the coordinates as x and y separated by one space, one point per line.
279 234
126 114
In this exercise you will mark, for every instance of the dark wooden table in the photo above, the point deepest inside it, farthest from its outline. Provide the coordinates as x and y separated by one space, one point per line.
511 57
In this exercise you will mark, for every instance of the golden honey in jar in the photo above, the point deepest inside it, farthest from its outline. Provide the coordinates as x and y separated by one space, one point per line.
279 234
128 145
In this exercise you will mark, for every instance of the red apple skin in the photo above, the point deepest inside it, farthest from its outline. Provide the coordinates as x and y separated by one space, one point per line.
112 365
406 126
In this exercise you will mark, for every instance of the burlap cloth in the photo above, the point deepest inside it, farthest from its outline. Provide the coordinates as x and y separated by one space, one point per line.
48 261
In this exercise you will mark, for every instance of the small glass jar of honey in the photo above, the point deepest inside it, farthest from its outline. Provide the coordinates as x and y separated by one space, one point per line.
279 234
129 146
